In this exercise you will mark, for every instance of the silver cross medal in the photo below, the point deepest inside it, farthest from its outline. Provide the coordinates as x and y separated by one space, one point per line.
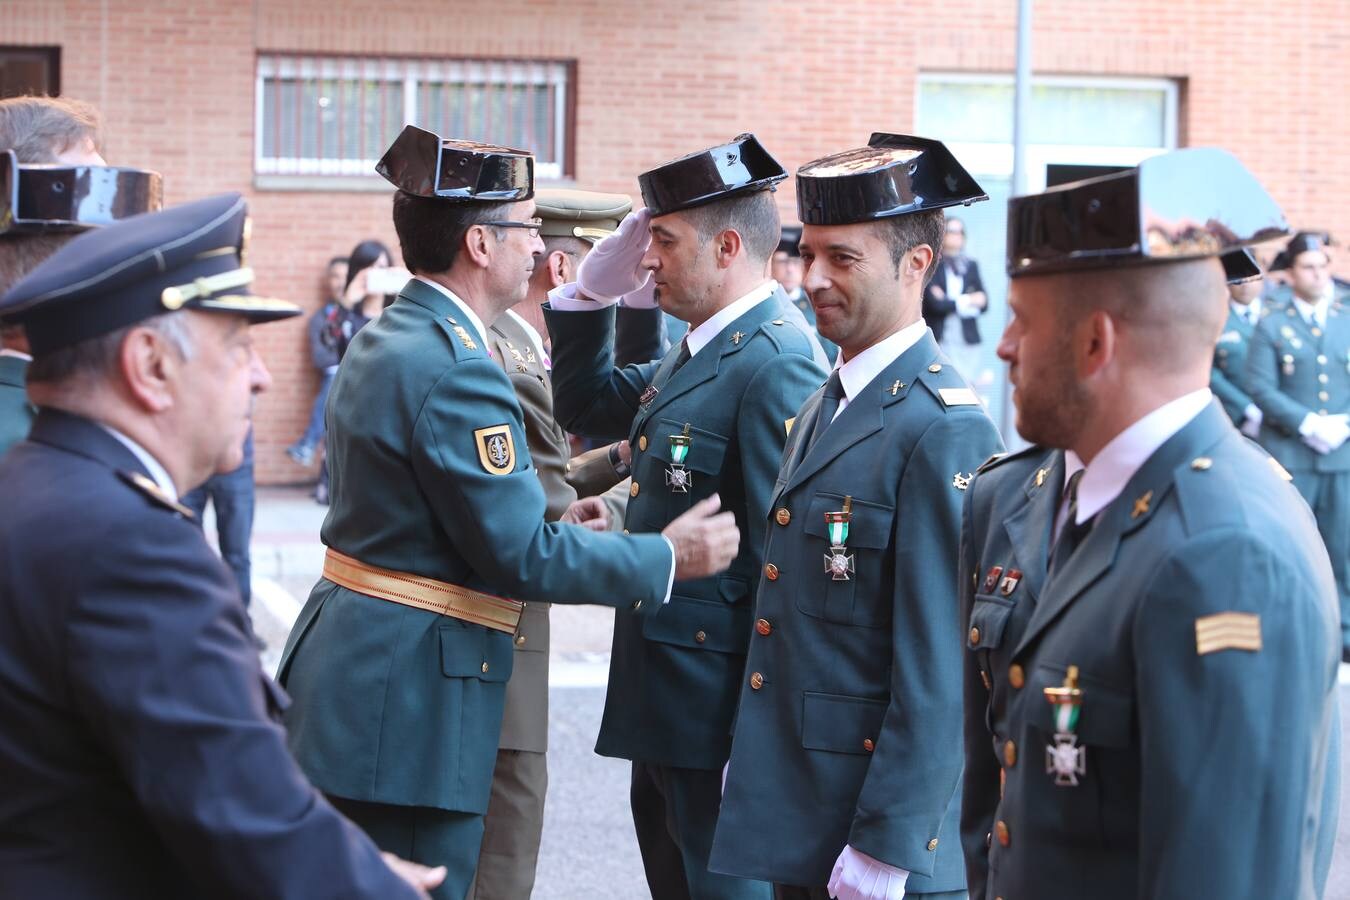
678 478
1064 758
839 562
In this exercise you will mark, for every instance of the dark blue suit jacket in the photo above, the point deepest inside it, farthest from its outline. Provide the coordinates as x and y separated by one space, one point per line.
139 754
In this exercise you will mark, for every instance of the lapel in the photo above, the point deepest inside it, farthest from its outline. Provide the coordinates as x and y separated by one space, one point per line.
13 371
1028 527
76 434
865 414
441 306
1239 324
704 364
1095 556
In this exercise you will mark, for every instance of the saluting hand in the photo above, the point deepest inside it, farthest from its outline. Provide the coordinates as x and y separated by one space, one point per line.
614 267
422 878
705 540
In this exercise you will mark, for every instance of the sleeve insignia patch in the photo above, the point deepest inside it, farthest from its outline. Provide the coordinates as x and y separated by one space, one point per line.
958 397
496 449
1228 631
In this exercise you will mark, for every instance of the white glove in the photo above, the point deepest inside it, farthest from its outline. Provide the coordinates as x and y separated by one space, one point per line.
614 267
858 876
1251 420
643 298
1315 441
1334 430
1310 429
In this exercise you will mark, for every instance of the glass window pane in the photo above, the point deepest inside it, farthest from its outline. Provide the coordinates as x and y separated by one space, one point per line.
1060 114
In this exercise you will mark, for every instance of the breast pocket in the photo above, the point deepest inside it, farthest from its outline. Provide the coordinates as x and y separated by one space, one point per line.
863 597
663 475
988 621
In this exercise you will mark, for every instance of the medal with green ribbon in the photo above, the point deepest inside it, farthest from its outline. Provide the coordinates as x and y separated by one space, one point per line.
678 478
1064 758
839 562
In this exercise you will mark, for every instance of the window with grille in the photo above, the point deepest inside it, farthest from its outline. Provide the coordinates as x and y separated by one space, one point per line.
336 115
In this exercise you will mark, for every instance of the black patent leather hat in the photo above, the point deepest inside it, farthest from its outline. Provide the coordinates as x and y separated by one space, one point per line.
39 198
895 174
1185 204
740 166
1239 266
421 163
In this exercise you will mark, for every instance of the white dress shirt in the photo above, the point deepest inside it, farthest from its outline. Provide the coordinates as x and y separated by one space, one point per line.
702 336
1251 313
6 351
476 322
1314 314
158 473
1112 468
862 369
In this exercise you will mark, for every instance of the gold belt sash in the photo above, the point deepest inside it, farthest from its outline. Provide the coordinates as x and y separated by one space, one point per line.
423 593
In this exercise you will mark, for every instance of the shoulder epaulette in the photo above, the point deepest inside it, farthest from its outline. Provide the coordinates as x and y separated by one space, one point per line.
148 487
999 459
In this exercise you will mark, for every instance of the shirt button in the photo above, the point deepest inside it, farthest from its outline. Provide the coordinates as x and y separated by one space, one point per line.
1001 832
763 627
700 636
633 490
975 635
771 571
782 517
868 745
1010 754
642 442
1016 676
756 681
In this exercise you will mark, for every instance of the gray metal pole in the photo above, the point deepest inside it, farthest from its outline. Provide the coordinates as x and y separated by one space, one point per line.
1021 109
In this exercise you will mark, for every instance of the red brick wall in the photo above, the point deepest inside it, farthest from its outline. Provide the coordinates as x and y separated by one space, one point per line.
175 80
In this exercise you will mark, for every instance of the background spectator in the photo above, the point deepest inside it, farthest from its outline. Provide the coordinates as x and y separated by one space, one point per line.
953 303
324 329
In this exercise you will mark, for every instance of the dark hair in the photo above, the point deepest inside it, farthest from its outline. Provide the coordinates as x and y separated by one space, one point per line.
363 257
338 259
431 231
39 129
753 216
903 233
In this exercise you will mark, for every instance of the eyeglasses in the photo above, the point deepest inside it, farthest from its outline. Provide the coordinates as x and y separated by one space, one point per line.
533 225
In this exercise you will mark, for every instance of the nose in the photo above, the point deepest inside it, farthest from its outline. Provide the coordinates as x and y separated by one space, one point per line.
813 279
259 378
650 261
1007 345
536 245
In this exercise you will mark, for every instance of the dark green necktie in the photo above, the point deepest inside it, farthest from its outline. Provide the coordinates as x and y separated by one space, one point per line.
1072 532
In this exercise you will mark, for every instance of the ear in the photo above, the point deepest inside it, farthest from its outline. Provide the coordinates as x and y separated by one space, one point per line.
560 269
150 369
916 263
728 247
478 244
1096 343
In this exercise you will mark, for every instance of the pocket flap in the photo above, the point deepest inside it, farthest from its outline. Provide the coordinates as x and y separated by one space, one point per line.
988 618
472 651
870 525
1106 717
706 449
701 625
841 724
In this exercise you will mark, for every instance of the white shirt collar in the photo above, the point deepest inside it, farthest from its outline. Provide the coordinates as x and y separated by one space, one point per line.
476 322
1251 312
5 351
1127 452
1313 312
702 336
860 371
536 339
157 472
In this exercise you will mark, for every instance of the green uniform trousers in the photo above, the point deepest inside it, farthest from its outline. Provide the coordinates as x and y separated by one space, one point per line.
425 835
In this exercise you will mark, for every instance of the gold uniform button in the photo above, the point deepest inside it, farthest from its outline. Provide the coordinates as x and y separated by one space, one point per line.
633 490
485 668
1001 832
642 442
1017 676
1202 463
1010 754
771 571
1323 395
626 531
868 745
700 636
935 368
782 517
756 681
520 640
932 845
975 635
763 627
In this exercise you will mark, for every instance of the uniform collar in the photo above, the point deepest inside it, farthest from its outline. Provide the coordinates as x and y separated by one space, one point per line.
1250 313
532 333
5 351
469 314
152 466
700 337
1119 460
862 369
1314 313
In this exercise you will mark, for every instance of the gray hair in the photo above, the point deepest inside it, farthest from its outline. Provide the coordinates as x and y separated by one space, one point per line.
97 356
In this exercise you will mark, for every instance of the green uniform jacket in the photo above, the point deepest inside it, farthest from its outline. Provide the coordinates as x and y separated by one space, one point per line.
849 727
674 676
1294 369
397 705
1209 769
1228 377
16 413
525 720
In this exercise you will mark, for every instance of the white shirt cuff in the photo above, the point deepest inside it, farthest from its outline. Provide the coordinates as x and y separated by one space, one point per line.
564 299
670 582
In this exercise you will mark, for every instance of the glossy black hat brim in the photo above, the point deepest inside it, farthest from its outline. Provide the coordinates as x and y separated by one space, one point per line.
40 198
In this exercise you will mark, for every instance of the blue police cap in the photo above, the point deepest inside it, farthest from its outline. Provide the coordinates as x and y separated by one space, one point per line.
894 175
740 166
1186 204
421 163
185 257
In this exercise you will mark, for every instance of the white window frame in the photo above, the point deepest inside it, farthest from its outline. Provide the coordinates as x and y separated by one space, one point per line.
411 73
